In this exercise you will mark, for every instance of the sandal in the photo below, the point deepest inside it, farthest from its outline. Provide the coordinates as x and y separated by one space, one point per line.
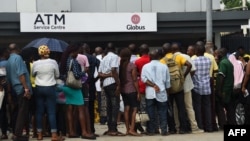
116 134
106 133
34 136
39 136
73 136
4 137
89 137
58 139
134 134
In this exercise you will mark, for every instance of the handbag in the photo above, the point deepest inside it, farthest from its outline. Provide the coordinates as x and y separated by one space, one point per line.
141 116
1 98
71 81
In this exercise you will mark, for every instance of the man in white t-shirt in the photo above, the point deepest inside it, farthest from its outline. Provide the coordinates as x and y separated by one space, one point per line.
100 94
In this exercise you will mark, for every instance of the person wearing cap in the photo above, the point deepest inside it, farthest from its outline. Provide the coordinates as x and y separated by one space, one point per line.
45 71
18 78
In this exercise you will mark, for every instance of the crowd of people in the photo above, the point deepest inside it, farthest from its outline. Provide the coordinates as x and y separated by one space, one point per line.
183 92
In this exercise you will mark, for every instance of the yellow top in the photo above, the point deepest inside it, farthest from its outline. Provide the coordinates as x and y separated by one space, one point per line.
32 78
246 55
180 60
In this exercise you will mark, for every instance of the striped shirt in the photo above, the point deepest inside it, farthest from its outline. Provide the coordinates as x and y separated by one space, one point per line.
110 61
201 76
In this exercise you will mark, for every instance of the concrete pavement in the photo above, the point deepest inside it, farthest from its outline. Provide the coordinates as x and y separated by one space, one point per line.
100 129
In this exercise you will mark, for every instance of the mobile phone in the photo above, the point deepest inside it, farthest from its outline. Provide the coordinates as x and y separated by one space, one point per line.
246 93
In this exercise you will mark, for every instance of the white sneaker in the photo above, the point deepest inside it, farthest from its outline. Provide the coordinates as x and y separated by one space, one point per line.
197 131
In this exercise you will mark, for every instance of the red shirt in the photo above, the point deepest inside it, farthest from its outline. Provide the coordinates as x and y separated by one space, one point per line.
144 59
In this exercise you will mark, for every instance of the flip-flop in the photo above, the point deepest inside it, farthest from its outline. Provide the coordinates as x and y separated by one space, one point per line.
89 138
73 136
116 134
135 134
4 137
106 133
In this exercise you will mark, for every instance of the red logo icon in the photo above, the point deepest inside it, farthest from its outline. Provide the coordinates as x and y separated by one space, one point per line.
135 19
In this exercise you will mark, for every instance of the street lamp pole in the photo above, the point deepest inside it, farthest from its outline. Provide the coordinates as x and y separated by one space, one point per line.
209 27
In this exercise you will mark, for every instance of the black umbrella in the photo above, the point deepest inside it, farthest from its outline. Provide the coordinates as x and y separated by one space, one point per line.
55 45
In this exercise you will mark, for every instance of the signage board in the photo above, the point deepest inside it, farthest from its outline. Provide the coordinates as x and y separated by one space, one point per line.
88 22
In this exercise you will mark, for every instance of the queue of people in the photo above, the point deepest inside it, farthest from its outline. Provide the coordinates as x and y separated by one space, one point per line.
182 92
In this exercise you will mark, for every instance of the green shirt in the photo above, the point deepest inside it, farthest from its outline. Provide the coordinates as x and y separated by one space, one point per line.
226 70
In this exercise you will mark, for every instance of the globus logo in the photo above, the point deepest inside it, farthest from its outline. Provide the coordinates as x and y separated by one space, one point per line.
135 19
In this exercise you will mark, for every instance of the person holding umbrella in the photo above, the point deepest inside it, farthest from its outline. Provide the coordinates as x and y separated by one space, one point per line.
45 71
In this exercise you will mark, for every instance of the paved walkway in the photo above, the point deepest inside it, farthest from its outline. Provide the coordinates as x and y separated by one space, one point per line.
100 129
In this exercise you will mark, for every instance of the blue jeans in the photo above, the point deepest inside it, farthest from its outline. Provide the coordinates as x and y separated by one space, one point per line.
46 97
161 107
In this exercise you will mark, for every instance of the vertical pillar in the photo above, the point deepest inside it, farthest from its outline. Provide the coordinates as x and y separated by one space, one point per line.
209 26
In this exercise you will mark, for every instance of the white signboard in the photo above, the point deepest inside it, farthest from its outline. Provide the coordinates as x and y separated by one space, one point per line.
88 22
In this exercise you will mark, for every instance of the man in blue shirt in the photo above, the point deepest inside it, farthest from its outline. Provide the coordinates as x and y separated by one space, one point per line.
4 91
157 79
202 90
18 77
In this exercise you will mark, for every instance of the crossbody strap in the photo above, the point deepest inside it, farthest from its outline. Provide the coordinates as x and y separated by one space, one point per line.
70 64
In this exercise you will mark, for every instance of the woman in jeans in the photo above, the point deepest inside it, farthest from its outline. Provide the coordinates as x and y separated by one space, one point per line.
74 97
45 71
129 90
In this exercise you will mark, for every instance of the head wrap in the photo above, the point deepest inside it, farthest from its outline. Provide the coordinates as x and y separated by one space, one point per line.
43 50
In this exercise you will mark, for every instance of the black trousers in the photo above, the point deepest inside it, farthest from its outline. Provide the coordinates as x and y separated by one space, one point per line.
113 104
91 107
179 99
247 107
21 114
88 94
3 116
213 113
202 103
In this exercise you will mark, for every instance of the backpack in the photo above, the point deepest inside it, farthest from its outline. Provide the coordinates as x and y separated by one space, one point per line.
176 75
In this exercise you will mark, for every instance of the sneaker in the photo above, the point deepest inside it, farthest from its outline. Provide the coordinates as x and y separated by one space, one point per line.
209 130
165 134
197 131
150 134
172 132
183 132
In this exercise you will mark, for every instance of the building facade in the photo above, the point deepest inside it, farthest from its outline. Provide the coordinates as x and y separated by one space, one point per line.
106 5
177 20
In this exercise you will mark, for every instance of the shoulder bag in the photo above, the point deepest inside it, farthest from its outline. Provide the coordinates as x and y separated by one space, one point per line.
71 81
